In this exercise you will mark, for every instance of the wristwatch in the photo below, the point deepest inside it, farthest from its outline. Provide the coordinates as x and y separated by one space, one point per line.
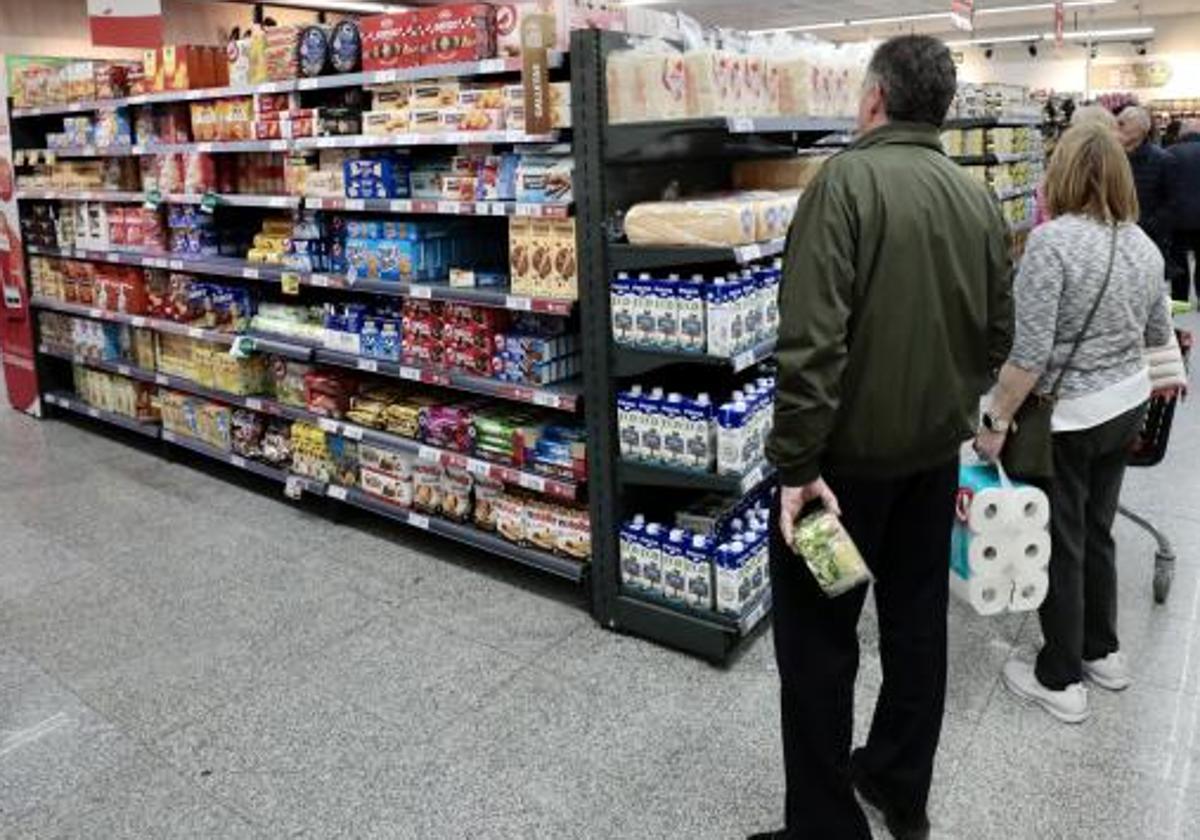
994 424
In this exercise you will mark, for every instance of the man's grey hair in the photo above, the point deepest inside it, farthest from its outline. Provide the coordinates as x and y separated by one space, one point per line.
1139 116
917 76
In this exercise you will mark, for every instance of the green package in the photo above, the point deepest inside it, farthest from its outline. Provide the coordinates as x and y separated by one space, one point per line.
830 553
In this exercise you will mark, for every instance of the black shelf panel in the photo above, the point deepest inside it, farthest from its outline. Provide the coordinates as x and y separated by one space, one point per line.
655 475
544 561
635 361
77 406
708 635
997 159
992 122
639 142
626 257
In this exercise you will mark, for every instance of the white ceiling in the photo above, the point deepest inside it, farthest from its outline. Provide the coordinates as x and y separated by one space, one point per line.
764 14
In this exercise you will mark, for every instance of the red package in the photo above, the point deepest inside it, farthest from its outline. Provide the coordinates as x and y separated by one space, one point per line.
268 127
458 32
391 41
328 394
131 292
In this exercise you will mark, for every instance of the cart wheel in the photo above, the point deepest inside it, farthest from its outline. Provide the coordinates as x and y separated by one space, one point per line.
1164 575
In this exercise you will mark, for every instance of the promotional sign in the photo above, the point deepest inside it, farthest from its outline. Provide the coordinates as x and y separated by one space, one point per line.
962 14
1060 21
16 328
126 23
1131 75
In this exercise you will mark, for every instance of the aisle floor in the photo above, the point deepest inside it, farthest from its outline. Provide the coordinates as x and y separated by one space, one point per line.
181 657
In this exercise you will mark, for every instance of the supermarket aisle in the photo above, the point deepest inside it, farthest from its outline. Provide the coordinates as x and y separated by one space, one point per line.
182 658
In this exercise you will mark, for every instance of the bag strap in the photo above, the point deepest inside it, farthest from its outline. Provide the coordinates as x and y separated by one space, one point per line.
1087 324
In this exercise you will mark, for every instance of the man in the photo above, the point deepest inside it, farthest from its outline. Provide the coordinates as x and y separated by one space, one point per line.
896 309
1185 241
1151 172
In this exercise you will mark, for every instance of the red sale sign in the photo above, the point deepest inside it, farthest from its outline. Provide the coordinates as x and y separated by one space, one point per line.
962 14
1060 20
126 23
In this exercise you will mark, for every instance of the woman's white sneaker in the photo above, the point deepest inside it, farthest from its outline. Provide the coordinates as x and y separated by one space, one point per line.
1070 705
1111 672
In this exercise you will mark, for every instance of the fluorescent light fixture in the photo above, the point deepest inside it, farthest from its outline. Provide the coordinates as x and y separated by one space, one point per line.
1034 37
915 18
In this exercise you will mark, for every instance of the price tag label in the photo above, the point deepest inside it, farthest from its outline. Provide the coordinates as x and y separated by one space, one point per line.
238 461
420 292
743 360
741 125
336 492
448 207
326 142
356 204
290 283
95 313
138 321
384 77
277 146
159 379
250 273
254 404
532 482
428 453
368 365
479 467
321 281
204 147
124 370
137 149
418 520
169 437
544 399
307 84
749 252
152 200
498 208
518 303
195 332
399 205
328 425
293 488
411 374
352 432
208 202
93 413
177 265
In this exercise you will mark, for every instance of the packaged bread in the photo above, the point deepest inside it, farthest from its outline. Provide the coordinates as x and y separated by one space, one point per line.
792 84
713 222
713 80
646 83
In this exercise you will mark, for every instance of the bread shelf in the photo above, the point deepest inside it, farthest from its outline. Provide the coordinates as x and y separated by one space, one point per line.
626 257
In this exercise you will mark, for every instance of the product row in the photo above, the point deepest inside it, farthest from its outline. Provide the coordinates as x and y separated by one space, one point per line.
304 449
780 76
518 347
695 433
1009 178
517 437
1018 140
992 100
718 316
713 558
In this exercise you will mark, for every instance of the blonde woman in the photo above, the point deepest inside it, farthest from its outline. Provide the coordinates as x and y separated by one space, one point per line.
1091 256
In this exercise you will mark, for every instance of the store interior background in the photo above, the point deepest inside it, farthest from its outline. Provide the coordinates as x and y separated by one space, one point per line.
59 28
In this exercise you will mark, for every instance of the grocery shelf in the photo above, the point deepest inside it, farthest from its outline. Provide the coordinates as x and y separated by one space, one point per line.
715 136
996 159
443 138
544 561
234 460
1010 195
245 270
78 406
1011 121
52 194
564 397
634 361
657 475
708 635
141 321
486 67
626 257
441 207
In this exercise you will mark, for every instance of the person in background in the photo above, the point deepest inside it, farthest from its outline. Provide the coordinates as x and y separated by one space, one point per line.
1080 116
1151 174
1185 242
1092 239
896 311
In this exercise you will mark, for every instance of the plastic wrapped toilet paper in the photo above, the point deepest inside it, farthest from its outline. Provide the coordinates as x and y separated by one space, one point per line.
1029 591
1032 506
987 595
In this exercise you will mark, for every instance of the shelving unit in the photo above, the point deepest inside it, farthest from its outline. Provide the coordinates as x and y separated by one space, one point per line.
566 398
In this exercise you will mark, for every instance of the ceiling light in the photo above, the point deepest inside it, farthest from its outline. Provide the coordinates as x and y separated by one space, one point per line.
1097 34
898 19
1030 38
1042 7
916 18
811 27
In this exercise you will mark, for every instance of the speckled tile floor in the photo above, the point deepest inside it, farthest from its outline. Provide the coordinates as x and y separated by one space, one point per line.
181 657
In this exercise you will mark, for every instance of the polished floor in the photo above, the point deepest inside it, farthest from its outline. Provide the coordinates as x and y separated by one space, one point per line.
182 657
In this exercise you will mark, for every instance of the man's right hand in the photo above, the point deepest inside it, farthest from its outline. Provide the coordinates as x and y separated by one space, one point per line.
793 499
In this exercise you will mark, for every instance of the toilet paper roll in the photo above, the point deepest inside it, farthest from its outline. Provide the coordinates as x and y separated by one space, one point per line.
993 510
1029 591
987 595
1032 506
1029 552
988 555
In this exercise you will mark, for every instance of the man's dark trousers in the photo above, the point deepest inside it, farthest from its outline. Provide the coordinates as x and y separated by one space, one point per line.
902 527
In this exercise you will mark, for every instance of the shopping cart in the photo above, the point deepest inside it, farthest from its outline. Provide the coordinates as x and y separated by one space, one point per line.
1149 451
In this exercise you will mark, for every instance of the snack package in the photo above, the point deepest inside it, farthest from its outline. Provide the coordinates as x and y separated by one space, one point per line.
830 554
